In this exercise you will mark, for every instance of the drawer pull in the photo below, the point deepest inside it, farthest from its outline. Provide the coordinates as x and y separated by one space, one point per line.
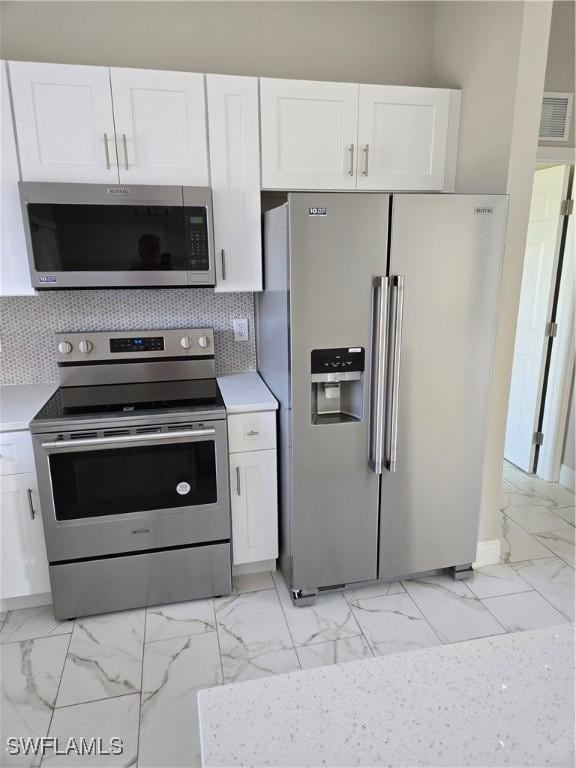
31 504
238 481
252 433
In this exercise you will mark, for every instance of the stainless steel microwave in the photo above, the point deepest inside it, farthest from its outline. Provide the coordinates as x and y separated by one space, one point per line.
100 236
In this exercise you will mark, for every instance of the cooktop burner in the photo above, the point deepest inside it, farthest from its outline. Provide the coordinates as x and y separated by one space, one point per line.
120 400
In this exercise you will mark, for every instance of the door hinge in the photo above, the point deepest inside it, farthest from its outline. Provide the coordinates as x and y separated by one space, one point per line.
567 207
551 330
538 438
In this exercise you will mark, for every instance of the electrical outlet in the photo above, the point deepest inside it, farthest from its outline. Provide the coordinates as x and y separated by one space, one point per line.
241 330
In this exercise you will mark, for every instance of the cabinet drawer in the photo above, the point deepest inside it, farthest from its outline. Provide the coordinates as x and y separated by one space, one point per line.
252 431
16 454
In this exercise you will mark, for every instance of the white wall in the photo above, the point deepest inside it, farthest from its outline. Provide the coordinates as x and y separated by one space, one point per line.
568 459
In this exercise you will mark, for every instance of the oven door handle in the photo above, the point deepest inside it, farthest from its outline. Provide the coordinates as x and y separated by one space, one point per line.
124 439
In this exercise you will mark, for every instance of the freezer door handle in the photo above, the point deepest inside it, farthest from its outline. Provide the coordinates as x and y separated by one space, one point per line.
397 311
378 392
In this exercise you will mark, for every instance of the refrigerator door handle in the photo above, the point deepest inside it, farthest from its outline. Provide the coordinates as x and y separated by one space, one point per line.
379 355
397 310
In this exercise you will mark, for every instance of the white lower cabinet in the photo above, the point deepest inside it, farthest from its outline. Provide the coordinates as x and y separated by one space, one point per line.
254 497
24 567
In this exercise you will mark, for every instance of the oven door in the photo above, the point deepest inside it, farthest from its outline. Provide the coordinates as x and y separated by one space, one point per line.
107 494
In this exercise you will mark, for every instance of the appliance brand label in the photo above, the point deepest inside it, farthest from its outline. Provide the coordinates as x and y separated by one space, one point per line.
316 211
118 191
483 210
47 279
141 530
183 488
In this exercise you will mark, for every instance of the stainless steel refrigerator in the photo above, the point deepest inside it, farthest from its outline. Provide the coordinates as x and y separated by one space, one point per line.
376 332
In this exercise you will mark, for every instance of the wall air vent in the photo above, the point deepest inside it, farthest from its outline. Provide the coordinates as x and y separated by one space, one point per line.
555 117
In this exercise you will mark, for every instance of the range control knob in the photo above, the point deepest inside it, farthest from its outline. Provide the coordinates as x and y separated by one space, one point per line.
185 342
64 347
204 342
85 346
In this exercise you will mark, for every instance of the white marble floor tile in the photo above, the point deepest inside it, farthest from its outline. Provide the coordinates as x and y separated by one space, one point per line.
3 615
107 719
253 634
393 624
104 659
252 582
333 652
173 672
553 579
507 486
330 618
514 498
495 580
30 623
354 594
551 494
452 609
560 542
536 518
528 610
31 673
566 513
180 620
516 544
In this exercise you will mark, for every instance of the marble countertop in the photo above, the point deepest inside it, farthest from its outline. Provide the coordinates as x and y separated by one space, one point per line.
19 403
246 393
499 701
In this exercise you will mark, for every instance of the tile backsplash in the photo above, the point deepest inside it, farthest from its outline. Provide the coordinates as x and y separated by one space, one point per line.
28 324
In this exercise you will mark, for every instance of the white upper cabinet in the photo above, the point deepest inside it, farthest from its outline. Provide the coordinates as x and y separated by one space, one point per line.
64 122
14 274
160 124
345 136
402 137
308 134
235 171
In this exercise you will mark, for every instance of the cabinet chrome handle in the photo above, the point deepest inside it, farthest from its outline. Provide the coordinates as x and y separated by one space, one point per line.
365 150
392 415
125 145
238 480
128 439
107 151
379 355
223 259
31 503
351 168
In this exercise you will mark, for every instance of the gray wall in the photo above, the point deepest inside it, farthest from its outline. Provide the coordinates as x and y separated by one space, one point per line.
359 42
561 65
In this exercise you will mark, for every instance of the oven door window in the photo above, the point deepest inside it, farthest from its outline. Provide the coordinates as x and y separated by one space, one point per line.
88 484
108 238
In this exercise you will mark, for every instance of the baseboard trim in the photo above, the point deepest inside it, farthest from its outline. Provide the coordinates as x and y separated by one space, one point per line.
487 553
259 567
26 601
567 478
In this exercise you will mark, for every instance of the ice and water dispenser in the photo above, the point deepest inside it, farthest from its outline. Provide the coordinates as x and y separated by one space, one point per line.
336 381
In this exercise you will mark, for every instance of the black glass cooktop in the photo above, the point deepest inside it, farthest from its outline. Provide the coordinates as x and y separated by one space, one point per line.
188 396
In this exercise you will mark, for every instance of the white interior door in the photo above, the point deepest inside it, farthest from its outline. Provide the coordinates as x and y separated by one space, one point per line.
308 134
540 264
160 122
64 122
402 137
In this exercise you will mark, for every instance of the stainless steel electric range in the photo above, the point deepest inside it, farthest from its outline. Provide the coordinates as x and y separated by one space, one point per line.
132 459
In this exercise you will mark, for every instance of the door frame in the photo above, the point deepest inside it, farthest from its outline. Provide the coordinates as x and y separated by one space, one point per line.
562 358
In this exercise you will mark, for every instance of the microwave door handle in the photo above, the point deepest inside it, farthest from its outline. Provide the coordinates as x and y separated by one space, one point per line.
125 147
394 388
128 439
378 384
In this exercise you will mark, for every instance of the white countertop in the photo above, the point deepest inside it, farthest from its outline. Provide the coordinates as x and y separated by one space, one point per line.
19 403
246 393
504 700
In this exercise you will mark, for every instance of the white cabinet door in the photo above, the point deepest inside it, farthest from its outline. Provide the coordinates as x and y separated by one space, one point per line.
402 137
253 491
308 134
235 172
160 122
14 274
64 122
24 563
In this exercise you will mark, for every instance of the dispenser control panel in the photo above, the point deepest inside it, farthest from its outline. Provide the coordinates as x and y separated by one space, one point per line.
339 360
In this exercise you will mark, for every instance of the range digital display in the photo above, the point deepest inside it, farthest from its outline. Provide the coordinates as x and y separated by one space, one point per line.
138 344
